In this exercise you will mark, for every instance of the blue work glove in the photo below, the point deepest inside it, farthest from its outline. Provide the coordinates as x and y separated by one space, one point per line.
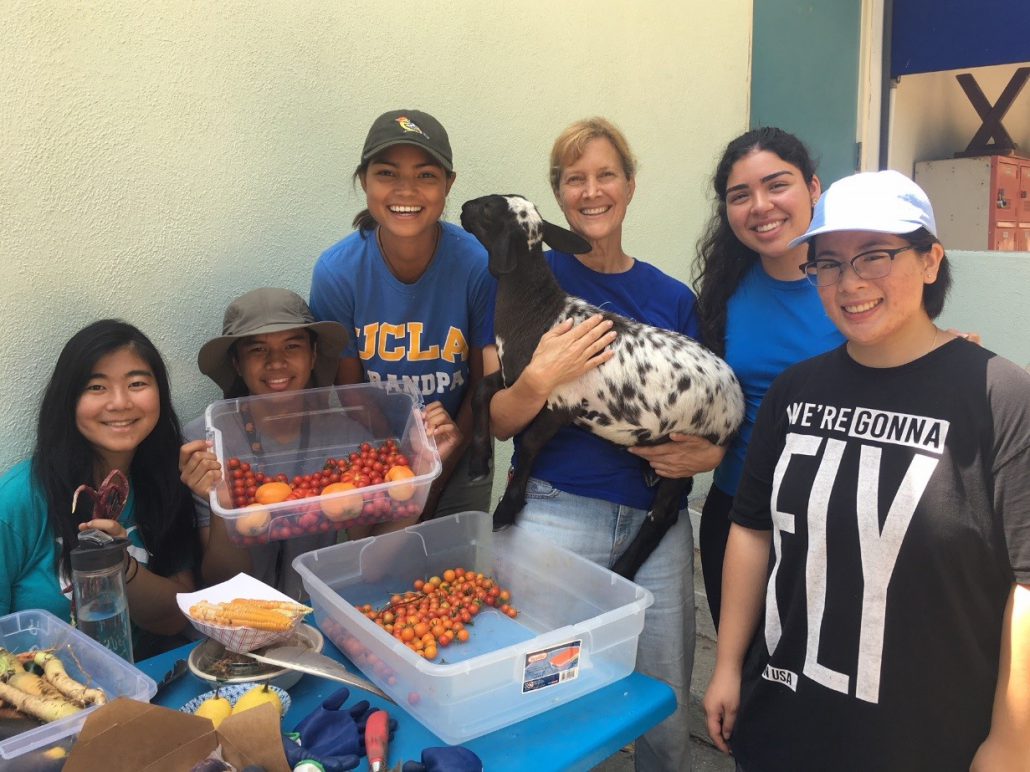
450 759
328 735
301 760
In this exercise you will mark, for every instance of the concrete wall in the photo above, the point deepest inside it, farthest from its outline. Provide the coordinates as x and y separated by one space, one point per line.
931 117
991 295
158 159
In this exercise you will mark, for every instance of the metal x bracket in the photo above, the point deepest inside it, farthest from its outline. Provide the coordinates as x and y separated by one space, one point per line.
991 115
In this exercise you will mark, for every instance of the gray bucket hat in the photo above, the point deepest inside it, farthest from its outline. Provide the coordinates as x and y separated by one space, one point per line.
266 310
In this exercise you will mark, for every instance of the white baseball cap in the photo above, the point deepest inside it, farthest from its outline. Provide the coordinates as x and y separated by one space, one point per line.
882 202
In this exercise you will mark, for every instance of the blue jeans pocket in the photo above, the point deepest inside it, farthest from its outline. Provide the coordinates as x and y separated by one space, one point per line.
540 489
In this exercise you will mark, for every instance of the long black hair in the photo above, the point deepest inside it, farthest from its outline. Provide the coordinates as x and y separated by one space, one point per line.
63 459
722 260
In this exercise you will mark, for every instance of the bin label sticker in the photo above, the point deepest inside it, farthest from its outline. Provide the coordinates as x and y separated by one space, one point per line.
548 667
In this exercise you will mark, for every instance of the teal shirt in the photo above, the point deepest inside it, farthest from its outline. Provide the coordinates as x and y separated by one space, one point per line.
28 553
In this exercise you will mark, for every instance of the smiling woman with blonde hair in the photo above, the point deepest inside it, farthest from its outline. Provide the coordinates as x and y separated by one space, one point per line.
587 494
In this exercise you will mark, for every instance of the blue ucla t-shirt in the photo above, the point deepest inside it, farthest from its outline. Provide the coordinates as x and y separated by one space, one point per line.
574 460
421 333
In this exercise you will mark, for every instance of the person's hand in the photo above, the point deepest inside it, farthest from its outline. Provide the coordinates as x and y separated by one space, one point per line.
567 351
972 337
721 702
110 527
450 759
683 456
441 427
198 467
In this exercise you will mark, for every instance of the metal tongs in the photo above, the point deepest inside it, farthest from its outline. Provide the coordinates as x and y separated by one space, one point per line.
308 661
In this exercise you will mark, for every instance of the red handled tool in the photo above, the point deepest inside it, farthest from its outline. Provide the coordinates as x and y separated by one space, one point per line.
377 740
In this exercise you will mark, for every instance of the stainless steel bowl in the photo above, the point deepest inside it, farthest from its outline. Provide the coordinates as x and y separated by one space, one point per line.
211 661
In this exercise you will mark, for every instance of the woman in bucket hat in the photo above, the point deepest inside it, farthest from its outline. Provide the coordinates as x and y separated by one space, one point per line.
414 291
270 344
884 519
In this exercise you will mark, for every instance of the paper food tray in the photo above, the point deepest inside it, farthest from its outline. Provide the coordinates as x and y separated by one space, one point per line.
238 639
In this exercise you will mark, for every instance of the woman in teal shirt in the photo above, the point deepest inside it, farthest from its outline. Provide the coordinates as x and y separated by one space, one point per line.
106 407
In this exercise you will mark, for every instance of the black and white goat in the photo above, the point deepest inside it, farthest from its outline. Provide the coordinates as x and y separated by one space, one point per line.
658 382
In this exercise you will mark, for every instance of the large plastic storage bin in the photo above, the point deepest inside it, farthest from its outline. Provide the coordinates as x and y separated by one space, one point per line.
92 663
576 629
306 430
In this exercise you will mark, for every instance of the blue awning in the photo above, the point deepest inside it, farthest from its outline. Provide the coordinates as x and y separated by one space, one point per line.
935 35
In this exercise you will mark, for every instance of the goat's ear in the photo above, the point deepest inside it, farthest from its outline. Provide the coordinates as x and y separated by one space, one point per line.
564 240
507 247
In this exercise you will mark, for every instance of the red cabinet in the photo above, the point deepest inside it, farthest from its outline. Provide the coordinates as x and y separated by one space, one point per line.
980 203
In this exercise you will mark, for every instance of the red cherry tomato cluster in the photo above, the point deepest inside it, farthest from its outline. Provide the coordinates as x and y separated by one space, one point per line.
368 465
435 613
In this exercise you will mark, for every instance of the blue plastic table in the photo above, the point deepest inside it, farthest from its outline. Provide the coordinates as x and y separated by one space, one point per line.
575 736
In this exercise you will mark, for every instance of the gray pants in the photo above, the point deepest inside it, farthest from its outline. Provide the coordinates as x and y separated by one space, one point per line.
462 494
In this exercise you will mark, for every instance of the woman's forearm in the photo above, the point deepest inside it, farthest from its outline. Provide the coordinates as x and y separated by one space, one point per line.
743 589
1008 743
222 559
512 409
152 604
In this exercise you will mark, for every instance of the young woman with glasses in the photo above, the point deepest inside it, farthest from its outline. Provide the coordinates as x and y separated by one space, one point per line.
881 530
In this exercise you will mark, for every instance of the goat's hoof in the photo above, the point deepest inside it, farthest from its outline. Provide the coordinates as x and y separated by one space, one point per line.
624 568
479 470
504 516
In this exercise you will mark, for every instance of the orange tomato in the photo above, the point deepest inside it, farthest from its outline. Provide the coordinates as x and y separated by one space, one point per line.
404 491
344 507
253 523
272 493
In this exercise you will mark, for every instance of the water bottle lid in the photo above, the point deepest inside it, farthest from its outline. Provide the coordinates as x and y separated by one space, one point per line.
97 550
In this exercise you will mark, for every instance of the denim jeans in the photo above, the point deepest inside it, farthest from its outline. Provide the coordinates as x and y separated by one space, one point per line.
599 531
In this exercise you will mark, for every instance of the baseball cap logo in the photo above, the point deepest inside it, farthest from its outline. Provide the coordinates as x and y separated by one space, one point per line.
410 126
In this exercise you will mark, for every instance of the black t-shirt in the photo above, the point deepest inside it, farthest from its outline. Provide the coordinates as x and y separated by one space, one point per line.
899 500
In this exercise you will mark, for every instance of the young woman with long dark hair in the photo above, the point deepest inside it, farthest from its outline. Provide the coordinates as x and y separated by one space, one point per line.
757 310
107 406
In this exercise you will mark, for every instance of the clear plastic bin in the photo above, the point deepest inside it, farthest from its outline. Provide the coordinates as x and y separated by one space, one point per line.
503 674
297 434
92 663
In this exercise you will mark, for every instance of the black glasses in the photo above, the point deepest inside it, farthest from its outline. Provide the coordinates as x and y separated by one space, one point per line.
874 264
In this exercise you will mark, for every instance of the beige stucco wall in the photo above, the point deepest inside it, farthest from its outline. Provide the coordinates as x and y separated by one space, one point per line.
158 159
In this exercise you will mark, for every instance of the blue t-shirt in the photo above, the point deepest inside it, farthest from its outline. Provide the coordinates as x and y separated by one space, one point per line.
423 332
771 324
576 461
28 551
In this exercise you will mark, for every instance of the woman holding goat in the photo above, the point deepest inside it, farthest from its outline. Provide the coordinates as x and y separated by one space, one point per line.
595 507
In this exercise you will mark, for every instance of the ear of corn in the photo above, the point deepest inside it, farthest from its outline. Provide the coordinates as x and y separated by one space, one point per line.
243 613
